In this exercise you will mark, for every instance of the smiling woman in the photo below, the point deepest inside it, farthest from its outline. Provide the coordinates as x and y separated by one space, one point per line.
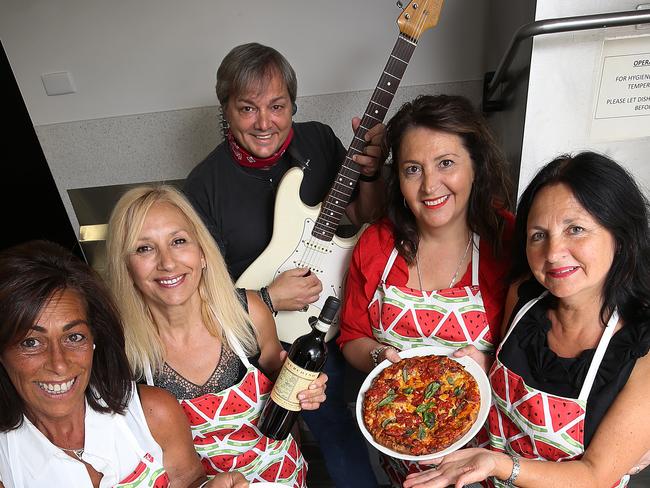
189 330
432 272
569 380
70 414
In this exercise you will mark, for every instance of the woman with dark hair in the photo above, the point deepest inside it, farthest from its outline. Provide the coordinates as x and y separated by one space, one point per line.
432 272
569 382
70 414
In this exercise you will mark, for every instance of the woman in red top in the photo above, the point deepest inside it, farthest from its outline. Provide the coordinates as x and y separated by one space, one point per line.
432 272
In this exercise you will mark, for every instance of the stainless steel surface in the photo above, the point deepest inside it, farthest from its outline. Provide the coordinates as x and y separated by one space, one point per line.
93 207
566 24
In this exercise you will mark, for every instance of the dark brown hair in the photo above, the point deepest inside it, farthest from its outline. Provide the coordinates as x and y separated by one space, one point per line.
251 66
30 275
611 196
491 190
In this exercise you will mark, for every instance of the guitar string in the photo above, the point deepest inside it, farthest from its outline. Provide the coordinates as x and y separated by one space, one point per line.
308 254
312 257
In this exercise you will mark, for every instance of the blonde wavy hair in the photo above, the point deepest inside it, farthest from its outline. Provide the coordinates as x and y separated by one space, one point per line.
221 309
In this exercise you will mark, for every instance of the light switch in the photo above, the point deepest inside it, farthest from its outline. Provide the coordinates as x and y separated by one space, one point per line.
59 83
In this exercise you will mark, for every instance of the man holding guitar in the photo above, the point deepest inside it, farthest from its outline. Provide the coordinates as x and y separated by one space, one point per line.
234 190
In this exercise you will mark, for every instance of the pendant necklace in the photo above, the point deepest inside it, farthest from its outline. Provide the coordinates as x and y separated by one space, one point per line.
453 278
77 452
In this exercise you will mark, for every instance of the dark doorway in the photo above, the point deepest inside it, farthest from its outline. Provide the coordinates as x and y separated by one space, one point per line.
30 202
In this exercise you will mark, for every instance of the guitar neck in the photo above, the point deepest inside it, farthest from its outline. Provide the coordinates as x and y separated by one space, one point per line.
333 207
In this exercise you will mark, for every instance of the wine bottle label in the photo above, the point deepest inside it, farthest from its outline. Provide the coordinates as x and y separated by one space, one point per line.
291 381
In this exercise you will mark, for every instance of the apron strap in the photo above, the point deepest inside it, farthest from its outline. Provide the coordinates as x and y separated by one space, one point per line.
237 348
389 265
475 257
148 376
598 356
522 311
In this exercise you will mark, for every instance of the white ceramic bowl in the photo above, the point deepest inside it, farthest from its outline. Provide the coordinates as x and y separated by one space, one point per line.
470 365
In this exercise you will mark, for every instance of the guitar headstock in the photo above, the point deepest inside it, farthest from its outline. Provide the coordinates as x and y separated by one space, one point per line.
418 16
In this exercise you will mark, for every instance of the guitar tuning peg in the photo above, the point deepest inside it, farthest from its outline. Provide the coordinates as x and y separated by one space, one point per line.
399 4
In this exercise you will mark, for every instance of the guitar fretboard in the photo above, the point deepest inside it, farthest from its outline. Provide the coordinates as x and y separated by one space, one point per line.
333 207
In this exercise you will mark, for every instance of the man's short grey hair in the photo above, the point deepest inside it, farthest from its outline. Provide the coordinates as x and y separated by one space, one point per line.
251 66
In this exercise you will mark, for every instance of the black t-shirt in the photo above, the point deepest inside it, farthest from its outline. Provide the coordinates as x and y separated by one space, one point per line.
237 203
526 353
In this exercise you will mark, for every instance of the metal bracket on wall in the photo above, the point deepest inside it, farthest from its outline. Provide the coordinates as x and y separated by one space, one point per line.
494 79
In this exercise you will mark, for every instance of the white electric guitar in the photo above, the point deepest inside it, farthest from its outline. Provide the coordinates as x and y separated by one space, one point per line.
303 236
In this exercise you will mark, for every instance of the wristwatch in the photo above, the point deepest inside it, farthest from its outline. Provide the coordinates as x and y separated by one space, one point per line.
374 354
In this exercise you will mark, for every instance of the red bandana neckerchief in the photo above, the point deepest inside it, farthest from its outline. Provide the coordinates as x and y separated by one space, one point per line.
247 160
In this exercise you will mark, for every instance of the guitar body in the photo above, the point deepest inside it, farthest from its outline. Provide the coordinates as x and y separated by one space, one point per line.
293 246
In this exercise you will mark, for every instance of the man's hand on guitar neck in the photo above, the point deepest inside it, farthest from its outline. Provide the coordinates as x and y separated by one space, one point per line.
294 289
375 151
369 204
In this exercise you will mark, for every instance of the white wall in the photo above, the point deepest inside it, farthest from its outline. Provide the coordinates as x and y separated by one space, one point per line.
563 75
131 57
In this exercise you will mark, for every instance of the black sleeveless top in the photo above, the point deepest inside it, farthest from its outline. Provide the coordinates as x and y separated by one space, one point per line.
526 353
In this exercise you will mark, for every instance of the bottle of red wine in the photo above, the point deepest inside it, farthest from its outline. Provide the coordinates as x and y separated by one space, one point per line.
303 364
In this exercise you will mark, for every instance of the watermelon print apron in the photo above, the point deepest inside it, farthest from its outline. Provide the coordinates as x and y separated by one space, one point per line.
148 473
534 424
452 317
226 437
405 318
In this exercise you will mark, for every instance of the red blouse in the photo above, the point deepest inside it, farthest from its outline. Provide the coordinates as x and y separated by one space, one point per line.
369 259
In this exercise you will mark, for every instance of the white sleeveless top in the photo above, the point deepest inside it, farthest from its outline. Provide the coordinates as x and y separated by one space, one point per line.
114 445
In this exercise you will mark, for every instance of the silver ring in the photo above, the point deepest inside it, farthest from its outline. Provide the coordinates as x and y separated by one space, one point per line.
305 308
636 469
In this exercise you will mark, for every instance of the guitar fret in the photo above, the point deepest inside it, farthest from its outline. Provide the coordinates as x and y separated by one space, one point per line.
350 162
332 211
392 76
380 105
347 187
401 60
345 176
345 194
380 88
325 227
385 97
339 206
404 38
329 219
375 118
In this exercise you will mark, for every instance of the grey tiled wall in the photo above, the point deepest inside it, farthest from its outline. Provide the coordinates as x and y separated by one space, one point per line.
167 145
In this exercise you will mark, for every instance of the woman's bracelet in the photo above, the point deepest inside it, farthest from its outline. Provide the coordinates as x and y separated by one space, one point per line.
374 354
266 298
515 471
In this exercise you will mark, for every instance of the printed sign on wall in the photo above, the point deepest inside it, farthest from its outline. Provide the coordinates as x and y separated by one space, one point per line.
622 104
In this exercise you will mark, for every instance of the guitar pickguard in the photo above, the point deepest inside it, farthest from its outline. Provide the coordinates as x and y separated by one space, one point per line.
327 260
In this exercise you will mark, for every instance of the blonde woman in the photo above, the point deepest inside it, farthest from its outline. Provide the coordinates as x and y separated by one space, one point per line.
190 331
